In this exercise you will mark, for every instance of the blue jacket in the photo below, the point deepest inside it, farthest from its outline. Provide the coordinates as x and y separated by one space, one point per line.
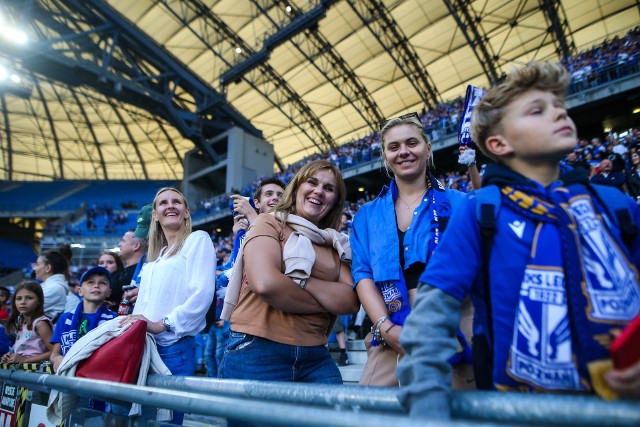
374 240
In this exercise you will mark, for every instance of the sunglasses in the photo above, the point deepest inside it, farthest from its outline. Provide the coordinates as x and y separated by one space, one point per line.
402 117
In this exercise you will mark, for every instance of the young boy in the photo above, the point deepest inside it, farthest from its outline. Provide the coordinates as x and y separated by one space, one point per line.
95 288
561 281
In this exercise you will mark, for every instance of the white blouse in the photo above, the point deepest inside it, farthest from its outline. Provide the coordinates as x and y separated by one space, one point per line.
180 287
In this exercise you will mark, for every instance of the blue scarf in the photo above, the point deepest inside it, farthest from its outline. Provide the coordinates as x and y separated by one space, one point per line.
394 292
81 324
579 286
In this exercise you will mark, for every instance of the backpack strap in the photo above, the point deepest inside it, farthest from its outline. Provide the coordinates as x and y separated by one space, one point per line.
618 211
487 208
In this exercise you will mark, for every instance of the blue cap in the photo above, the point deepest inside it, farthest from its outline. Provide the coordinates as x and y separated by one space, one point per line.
96 270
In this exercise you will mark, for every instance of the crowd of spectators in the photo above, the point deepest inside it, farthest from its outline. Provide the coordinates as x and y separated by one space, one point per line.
112 218
609 161
605 62
609 60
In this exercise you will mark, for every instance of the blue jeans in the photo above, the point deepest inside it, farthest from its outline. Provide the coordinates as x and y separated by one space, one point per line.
180 358
214 349
255 358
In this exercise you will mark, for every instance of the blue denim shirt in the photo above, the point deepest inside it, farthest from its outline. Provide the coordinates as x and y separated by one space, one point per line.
374 241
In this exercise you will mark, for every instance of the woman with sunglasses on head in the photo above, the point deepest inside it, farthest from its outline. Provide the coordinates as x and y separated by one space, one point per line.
393 238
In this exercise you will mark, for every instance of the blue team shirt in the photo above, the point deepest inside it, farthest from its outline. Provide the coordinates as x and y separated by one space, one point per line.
67 336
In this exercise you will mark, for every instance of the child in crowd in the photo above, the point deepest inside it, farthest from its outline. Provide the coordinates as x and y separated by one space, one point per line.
31 327
95 288
559 282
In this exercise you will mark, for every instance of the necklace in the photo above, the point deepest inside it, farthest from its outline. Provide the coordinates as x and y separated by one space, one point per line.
412 203
417 198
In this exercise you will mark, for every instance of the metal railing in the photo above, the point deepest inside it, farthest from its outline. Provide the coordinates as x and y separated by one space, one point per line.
239 408
496 407
286 404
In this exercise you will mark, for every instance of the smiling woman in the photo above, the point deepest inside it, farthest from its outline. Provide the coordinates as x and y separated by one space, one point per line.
295 278
393 238
177 283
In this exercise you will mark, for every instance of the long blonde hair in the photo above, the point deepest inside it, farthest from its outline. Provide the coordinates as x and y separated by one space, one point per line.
157 239
287 204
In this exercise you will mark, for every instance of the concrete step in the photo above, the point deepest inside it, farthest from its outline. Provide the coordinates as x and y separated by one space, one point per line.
357 345
351 373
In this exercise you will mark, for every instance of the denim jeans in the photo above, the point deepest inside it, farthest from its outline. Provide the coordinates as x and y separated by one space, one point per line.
214 349
255 358
180 358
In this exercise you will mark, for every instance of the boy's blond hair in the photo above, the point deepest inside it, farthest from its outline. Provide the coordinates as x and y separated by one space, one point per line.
488 114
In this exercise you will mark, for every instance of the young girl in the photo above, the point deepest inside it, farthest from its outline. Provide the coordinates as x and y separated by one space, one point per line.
32 328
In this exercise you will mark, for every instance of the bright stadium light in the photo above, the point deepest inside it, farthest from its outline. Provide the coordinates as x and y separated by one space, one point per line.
288 9
238 50
14 35
15 78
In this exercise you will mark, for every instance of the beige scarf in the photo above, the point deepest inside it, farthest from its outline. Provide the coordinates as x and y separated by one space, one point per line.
298 256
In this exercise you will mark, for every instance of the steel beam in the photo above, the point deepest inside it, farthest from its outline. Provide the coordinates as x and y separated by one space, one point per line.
459 10
558 27
7 128
72 122
93 134
375 15
52 126
264 79
320 53
115 58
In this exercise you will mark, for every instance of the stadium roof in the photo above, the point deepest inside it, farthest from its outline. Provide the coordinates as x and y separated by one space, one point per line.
307 74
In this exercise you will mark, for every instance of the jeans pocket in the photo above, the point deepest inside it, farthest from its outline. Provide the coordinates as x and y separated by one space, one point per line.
238 342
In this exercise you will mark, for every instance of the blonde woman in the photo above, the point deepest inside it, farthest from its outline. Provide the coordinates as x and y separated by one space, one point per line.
177 283
393 238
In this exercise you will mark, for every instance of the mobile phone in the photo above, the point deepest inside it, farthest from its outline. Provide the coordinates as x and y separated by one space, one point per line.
233 212
625 349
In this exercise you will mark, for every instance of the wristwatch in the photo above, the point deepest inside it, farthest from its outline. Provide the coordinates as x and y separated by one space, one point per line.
165 322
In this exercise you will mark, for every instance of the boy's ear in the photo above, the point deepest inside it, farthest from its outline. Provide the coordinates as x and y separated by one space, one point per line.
498 146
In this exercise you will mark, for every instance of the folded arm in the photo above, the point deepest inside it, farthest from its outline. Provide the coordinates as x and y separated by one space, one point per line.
262 266
336 297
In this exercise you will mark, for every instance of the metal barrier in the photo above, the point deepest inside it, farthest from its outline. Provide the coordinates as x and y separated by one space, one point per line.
331 405
503 408
257 411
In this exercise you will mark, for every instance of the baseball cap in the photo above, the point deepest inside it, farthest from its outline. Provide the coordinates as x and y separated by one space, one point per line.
96 270
143 223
